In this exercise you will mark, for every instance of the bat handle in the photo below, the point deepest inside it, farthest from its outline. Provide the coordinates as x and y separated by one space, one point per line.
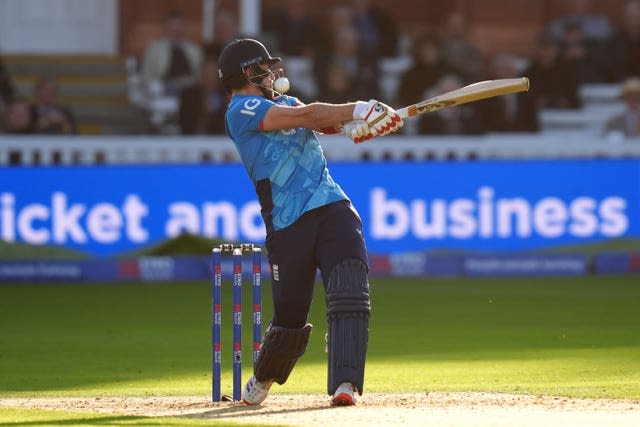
403 112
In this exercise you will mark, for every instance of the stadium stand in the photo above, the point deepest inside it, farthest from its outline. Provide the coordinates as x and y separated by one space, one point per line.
94 87
600 102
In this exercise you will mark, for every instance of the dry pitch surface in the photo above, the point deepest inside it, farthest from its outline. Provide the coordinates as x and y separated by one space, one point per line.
441 409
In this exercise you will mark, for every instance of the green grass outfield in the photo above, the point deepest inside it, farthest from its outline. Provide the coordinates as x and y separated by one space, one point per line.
575 337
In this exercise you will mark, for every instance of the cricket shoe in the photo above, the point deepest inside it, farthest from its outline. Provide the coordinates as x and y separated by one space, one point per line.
345 395
255 392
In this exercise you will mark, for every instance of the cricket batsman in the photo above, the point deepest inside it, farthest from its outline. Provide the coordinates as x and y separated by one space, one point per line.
310 221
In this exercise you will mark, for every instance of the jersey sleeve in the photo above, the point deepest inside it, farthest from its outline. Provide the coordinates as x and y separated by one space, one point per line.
247 115
292 101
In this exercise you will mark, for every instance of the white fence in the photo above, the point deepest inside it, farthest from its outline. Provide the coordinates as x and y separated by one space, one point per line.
53 150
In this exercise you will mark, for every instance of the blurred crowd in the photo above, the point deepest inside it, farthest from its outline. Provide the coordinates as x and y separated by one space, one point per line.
42 114
345 46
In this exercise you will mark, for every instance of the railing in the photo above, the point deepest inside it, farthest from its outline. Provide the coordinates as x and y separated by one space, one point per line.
55 150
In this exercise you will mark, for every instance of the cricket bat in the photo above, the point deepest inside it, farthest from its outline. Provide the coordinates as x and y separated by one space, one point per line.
466 94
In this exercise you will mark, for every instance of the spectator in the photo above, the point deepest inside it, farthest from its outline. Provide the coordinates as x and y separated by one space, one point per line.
594 26
459 52
459 120
202 105
18 118
585 55
225 30
428 67
554 82
508 113
48 116
6 86
295 30
340 15
331 20
345 52
6 93
376 28
172 60
340 87
625 44
627 123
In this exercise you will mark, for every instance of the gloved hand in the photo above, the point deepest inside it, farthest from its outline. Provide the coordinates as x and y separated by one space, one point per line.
381 118
358 131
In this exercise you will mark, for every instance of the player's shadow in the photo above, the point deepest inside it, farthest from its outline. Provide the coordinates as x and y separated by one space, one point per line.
237 410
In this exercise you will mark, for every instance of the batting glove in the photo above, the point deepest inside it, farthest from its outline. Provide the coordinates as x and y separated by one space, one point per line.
358 131
381 118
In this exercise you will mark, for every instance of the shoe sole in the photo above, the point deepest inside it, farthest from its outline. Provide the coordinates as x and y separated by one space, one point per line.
343 399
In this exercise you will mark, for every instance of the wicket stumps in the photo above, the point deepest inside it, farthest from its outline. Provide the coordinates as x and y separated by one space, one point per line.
216 296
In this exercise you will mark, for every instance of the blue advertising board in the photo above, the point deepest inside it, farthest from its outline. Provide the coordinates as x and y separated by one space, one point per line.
494 206
500 206
148 269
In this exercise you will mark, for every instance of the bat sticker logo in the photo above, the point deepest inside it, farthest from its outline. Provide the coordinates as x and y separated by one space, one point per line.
433 106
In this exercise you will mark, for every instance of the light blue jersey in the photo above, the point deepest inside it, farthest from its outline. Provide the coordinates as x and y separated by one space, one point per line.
287 167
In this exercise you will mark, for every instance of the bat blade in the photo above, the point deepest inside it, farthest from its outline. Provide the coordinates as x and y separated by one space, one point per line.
464 95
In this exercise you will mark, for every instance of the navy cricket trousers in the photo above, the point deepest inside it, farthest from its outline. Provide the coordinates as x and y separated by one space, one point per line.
319 239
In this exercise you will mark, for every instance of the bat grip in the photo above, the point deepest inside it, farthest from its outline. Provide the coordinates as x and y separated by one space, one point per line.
403 112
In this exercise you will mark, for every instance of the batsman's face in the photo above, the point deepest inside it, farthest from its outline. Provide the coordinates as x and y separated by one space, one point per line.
268 77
